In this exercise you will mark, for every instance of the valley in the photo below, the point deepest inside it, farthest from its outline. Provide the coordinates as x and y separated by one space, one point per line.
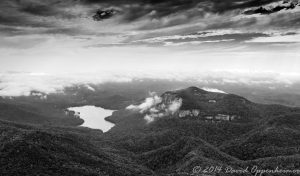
168 133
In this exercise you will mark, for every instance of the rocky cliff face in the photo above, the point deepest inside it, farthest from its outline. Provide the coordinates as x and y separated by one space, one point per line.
193 102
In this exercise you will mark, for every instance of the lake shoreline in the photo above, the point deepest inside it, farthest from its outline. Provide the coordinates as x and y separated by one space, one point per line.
94 117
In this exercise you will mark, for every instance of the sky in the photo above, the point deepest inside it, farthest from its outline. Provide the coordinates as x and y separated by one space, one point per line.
160 38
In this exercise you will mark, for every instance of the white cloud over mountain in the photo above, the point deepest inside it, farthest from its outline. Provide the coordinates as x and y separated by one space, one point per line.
213 90
154 108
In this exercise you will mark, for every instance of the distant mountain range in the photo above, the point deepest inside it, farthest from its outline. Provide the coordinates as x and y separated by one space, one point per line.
189 128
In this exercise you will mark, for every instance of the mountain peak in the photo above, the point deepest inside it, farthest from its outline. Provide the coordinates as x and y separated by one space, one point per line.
190 91
197 103
194 89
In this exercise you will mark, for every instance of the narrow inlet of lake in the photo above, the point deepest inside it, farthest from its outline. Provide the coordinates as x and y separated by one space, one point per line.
94 117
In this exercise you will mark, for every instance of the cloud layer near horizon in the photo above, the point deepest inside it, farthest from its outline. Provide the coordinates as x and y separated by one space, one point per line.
23 84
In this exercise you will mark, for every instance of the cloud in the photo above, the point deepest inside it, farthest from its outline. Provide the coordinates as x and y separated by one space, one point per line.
149 103
213 90
174 106
196 42
46 10
158 14
104 14
156 107
148 118
277 38
134 21
24 84
204 37
198 37
163 8
163 110
272 8
90 88
153 107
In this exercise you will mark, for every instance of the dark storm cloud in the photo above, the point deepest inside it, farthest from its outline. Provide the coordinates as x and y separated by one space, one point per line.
266 11
286 21
173 6
155 9
133 10
290 33
23 21
11 14
18 12
11 31
25 17
104 14
40 10
46 10
167 13
144 18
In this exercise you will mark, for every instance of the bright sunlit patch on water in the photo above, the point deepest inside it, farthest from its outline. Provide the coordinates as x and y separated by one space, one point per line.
94 117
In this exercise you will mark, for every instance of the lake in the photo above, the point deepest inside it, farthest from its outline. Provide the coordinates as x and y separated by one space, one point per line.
94 117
